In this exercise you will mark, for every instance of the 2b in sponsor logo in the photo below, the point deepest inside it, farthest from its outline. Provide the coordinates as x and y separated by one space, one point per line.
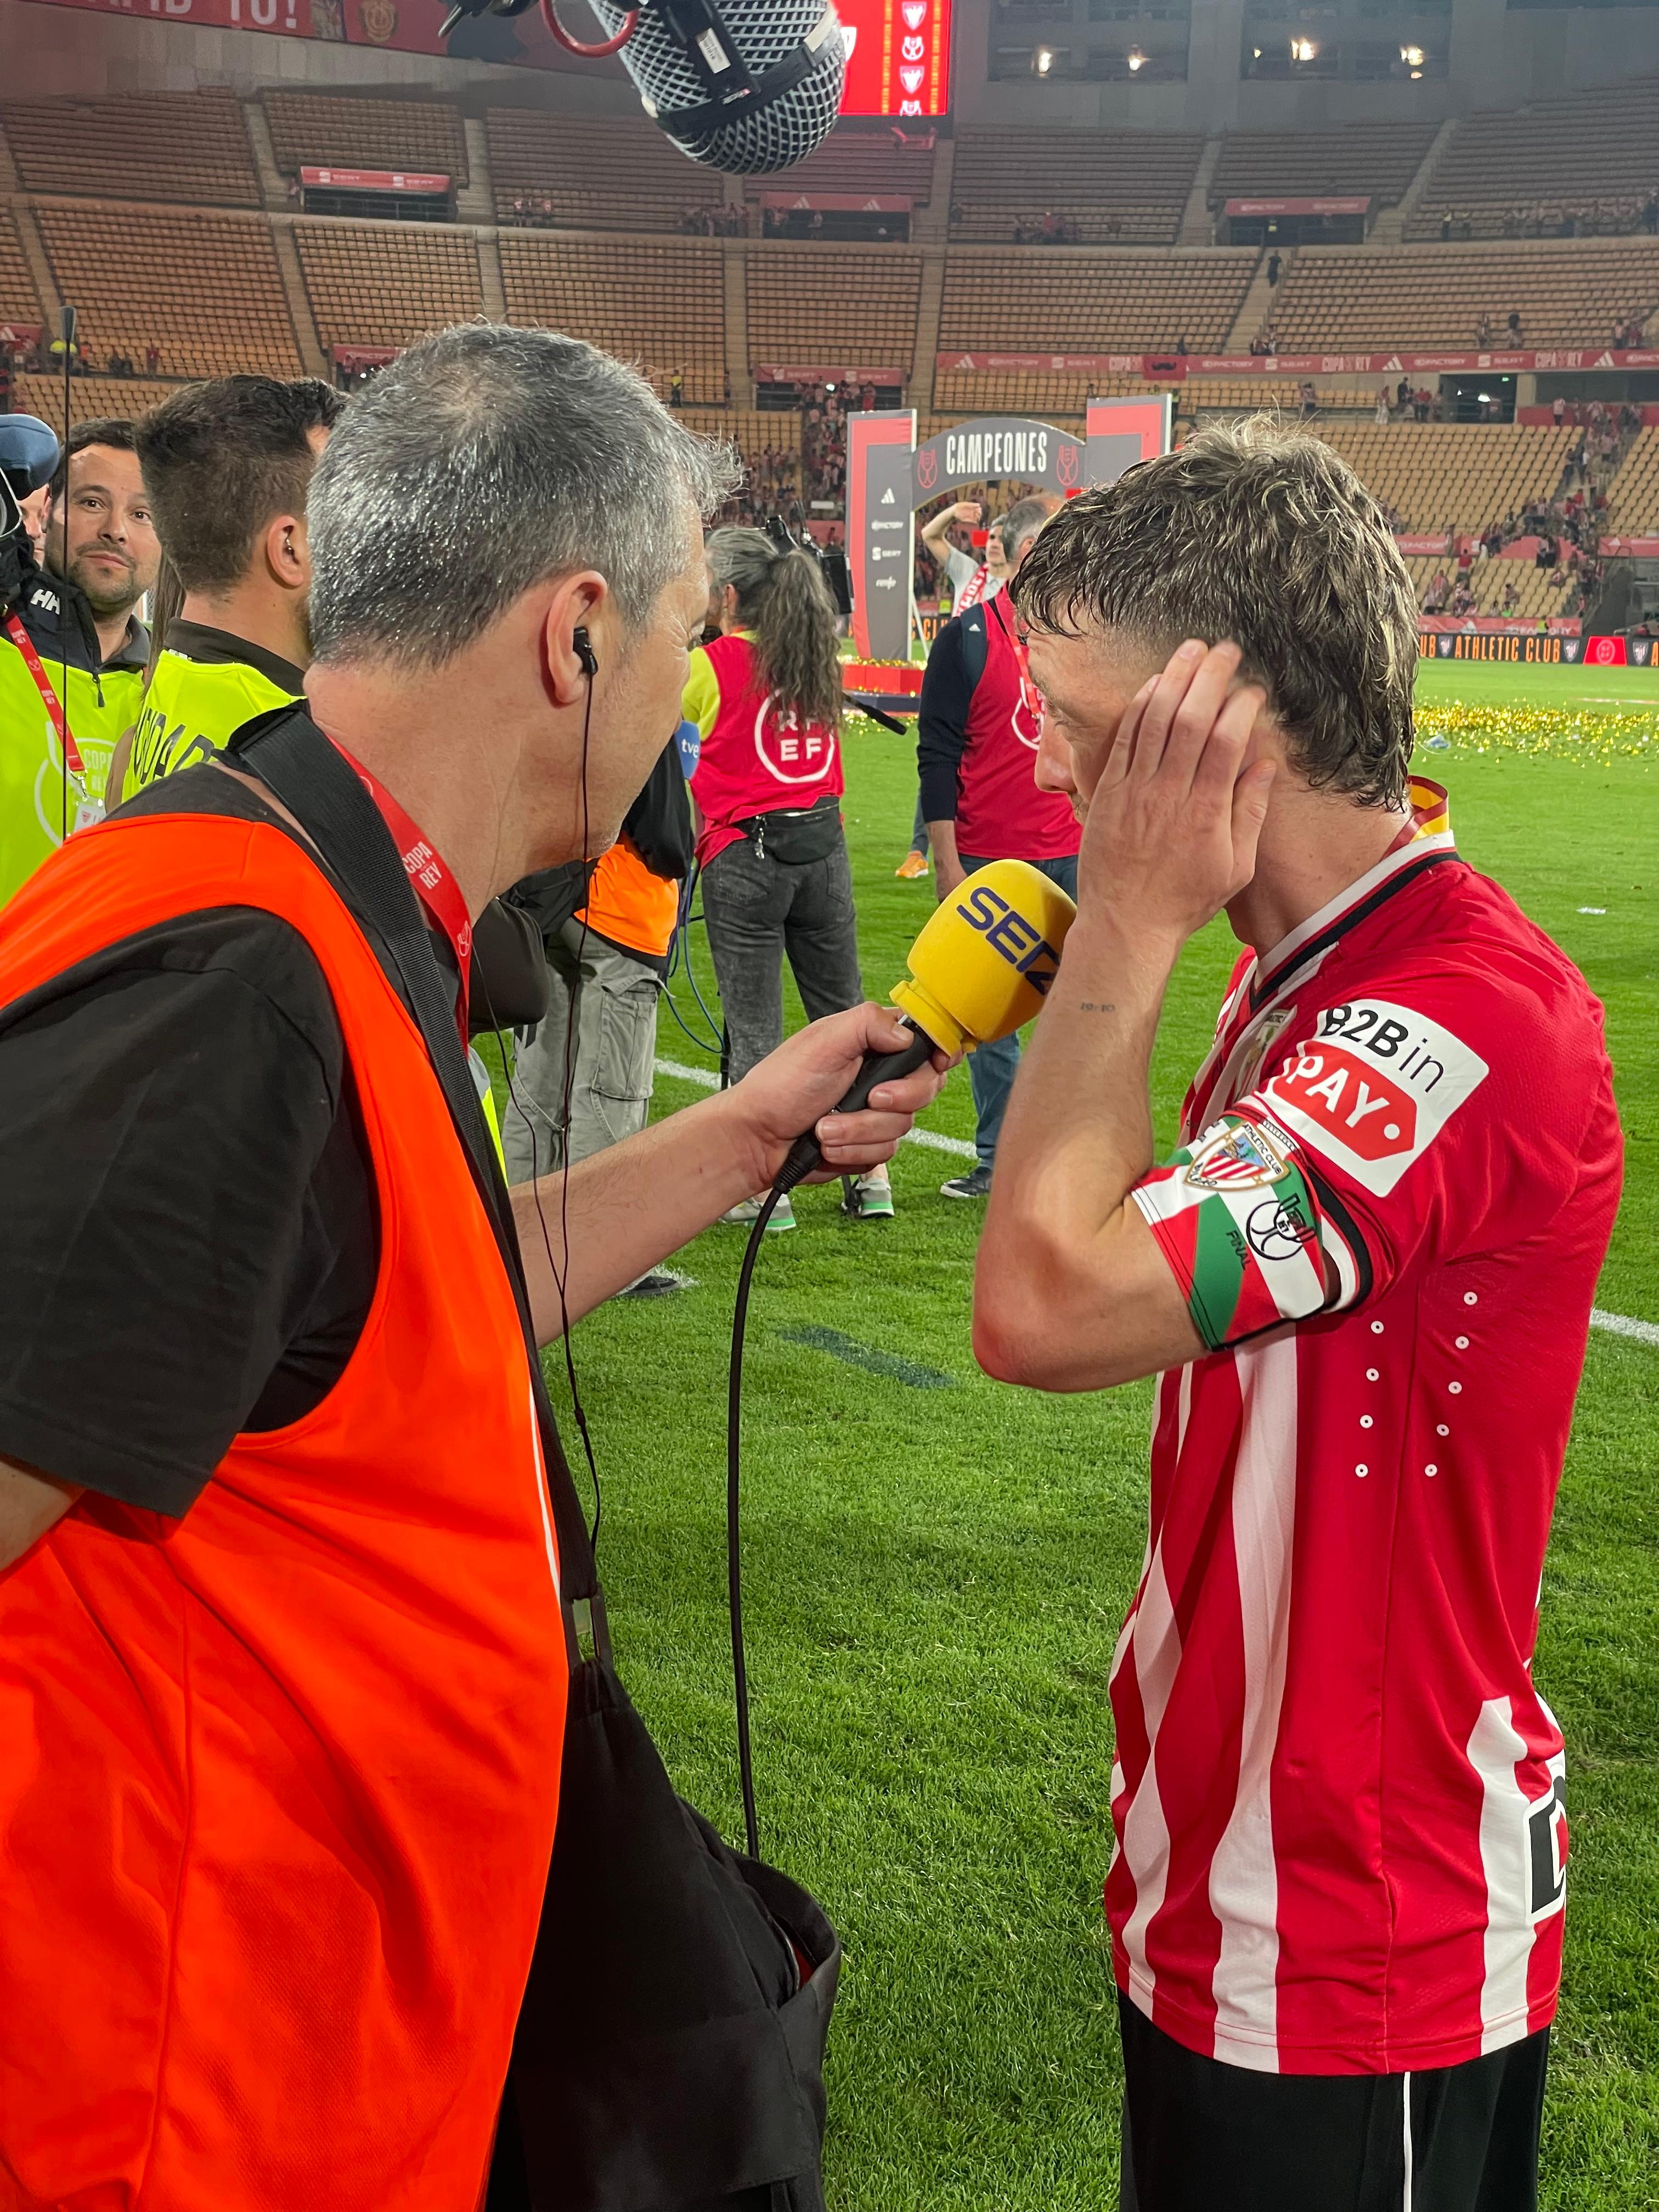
1373 1086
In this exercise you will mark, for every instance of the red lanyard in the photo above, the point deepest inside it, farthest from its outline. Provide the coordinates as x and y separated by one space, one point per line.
25 644
1031 697
429 871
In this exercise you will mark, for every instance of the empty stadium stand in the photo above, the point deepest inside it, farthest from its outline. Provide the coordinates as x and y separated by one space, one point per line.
852 309
661 305
1378 159
1557 154
382 283
1459 477
313 129
592 172
144 146
125 398
1633 495
957 392
203 288
1540 591
1568 293
1043 300
873 162
1127 187
18 301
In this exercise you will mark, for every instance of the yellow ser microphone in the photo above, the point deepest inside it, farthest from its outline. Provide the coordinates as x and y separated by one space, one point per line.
980 970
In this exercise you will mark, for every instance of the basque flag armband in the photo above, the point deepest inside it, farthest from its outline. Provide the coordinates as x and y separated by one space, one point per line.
1239 1224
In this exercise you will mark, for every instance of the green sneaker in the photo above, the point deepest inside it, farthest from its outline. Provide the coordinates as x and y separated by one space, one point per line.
747 1212
868 1197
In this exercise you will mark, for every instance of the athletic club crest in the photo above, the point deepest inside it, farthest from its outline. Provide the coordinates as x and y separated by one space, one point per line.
1235 1155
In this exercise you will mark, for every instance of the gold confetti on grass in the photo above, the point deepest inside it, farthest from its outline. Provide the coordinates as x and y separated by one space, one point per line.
1566 734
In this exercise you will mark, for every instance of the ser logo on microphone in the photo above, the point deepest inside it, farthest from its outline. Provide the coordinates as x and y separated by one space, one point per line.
1020 944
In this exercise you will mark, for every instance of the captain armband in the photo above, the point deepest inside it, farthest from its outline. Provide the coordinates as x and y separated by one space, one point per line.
1240 1226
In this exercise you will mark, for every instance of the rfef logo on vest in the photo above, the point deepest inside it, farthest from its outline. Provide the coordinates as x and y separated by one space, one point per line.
793 751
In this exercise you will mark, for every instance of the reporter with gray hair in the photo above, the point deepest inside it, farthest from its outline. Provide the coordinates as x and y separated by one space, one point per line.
283 1701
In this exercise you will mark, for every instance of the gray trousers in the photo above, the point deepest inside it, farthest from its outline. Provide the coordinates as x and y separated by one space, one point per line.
758 909
612 1001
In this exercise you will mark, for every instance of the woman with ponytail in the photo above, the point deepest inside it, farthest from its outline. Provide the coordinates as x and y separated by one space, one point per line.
766 696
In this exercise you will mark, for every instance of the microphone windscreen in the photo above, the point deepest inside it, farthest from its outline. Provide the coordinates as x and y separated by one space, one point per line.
758 136
983 966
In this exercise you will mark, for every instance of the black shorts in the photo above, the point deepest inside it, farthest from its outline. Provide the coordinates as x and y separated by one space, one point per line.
1199 2136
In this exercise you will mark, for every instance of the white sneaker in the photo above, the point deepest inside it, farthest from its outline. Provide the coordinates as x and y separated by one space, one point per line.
747 1212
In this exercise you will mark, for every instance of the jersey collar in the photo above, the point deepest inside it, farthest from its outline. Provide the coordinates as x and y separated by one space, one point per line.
201 642
1424 838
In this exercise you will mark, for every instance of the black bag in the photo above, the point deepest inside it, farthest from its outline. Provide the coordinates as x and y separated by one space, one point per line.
795 835
670 2049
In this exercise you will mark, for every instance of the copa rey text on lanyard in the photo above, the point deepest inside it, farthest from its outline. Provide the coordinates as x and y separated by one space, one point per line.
88 810
427 871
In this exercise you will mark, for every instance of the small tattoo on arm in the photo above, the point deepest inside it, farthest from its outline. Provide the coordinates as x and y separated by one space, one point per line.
1097 1006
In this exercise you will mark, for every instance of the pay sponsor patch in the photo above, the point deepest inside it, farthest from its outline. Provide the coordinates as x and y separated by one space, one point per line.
1373 1087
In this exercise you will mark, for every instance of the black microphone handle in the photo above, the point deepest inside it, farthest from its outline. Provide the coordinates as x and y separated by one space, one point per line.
878 1067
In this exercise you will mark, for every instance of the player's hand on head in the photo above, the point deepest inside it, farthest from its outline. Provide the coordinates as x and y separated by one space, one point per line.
1174 821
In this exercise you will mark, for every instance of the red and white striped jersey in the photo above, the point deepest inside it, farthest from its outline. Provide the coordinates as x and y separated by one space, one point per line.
1338 1797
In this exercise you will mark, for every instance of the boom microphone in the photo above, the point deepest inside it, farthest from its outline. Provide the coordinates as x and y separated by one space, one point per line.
980 969
747 86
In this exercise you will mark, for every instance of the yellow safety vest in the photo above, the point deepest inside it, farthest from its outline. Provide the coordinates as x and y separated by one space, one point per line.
207 684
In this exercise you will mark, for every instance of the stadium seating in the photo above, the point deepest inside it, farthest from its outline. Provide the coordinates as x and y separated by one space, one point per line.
1557 154
958 393
1633 495
1567 293
1541 591
1126 187
144 146
592 172
309 129
18 302
1038 300
203 288
661 305
1379 159
855 309
857 161
124 398
381 284
1453 476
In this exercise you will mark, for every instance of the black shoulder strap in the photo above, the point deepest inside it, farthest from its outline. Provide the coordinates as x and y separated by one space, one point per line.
287 753
976 646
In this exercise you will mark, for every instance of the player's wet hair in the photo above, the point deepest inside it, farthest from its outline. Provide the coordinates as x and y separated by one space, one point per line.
1264 536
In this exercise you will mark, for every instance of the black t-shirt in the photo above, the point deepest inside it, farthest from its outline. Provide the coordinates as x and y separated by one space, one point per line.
190 1238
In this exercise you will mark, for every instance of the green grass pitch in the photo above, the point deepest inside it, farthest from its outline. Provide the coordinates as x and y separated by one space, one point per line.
935 1576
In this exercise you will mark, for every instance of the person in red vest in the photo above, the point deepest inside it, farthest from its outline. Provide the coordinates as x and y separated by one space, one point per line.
766 696
980 721
282 1711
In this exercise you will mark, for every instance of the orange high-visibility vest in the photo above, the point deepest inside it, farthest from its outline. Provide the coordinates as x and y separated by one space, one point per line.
629 905
278 1779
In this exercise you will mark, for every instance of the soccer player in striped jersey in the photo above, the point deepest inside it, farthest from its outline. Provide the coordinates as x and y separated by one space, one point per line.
1364 1278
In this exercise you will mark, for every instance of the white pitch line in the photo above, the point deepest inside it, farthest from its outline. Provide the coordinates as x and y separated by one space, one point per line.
1644 1331
708 1080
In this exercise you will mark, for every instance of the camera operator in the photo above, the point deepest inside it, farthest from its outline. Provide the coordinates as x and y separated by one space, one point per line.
72 669
283 1710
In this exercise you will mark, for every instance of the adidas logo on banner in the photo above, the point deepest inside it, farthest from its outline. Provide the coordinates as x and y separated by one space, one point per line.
1606 362
887 499
1393 361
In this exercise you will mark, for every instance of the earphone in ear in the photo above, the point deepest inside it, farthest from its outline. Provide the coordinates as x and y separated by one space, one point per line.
585 652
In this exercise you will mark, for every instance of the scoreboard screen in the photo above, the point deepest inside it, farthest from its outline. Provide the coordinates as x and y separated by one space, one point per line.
900 62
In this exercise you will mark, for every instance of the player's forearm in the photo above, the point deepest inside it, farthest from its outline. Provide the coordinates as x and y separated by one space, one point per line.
30 1503
628 1207
1059 1259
